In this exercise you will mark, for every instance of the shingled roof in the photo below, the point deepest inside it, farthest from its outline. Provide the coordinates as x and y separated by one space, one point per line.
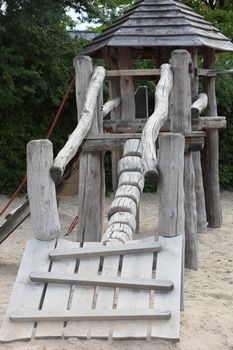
160 23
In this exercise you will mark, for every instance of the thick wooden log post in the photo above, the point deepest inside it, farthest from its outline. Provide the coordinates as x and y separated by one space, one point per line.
199 187
114 91
41 190
171 185
181 122
210 154
91 169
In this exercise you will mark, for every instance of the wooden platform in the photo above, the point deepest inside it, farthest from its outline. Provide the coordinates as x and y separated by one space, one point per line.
66 309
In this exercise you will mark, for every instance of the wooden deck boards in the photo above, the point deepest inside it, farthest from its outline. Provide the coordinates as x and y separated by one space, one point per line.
74 300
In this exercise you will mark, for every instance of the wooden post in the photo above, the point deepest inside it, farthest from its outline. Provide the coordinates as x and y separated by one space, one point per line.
126 85
181 122
210 155
41 190
91 173
114 91
199 187
171 187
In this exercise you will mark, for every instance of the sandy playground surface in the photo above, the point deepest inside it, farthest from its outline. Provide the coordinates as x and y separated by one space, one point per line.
206 323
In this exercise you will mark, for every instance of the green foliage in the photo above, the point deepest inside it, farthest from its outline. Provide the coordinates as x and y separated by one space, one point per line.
35 67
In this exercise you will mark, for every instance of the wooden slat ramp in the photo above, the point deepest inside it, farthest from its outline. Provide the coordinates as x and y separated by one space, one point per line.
97 291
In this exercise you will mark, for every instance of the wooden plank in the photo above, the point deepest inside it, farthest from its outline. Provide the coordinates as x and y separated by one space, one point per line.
101 250
134 266
169 265
105 298
111 282
91 315
212 122
132 72
24 292
171 186
83 297
41 190
56 295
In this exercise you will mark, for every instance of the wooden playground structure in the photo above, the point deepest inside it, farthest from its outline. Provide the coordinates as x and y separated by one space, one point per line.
107 284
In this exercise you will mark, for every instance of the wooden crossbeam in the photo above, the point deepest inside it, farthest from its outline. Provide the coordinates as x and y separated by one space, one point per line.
98 251
111 282
90 315
132 72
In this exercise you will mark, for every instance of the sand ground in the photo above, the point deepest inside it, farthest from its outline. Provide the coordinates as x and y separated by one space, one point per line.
206 323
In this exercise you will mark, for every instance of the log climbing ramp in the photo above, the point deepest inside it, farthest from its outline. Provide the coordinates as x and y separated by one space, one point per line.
108 284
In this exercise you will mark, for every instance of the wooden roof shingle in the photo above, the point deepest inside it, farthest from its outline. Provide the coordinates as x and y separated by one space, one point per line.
160 23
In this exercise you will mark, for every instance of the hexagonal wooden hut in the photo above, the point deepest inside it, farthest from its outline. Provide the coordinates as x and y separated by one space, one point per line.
153 29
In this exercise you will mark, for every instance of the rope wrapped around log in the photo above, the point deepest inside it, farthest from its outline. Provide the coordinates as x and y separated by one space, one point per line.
156 120
76 138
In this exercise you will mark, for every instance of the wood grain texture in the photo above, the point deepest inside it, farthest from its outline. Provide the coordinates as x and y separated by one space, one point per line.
210 153
110 105
171 189
130 163
85 122
41 190
36 256
156 120
56 296
199 105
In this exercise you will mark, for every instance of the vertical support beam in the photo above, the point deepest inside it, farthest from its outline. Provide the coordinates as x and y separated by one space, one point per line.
114 91
126 85
41 190
91 166
199 187
181 122
210 155
171 185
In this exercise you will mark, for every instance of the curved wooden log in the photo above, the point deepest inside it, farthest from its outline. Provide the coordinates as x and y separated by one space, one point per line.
72 145
118 227
129 164
129 191
124 218
122 204
157 119
133 148
133 178
111 105
199 105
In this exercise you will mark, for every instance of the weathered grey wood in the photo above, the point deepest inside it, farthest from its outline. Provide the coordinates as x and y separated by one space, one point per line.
169 265
56 296
41 190
211 152
129 192
212 122
181 92
200 195
91 315
206 72
181 122
106 296
126 85
171 188
132 178
82 299
132 147
118 227
100 250
116 156
122 204
195 113
199 105
130 164
24 292
115 282
111 105
123 217
91 167
156 120
132 72
86 120
134 266
191 242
